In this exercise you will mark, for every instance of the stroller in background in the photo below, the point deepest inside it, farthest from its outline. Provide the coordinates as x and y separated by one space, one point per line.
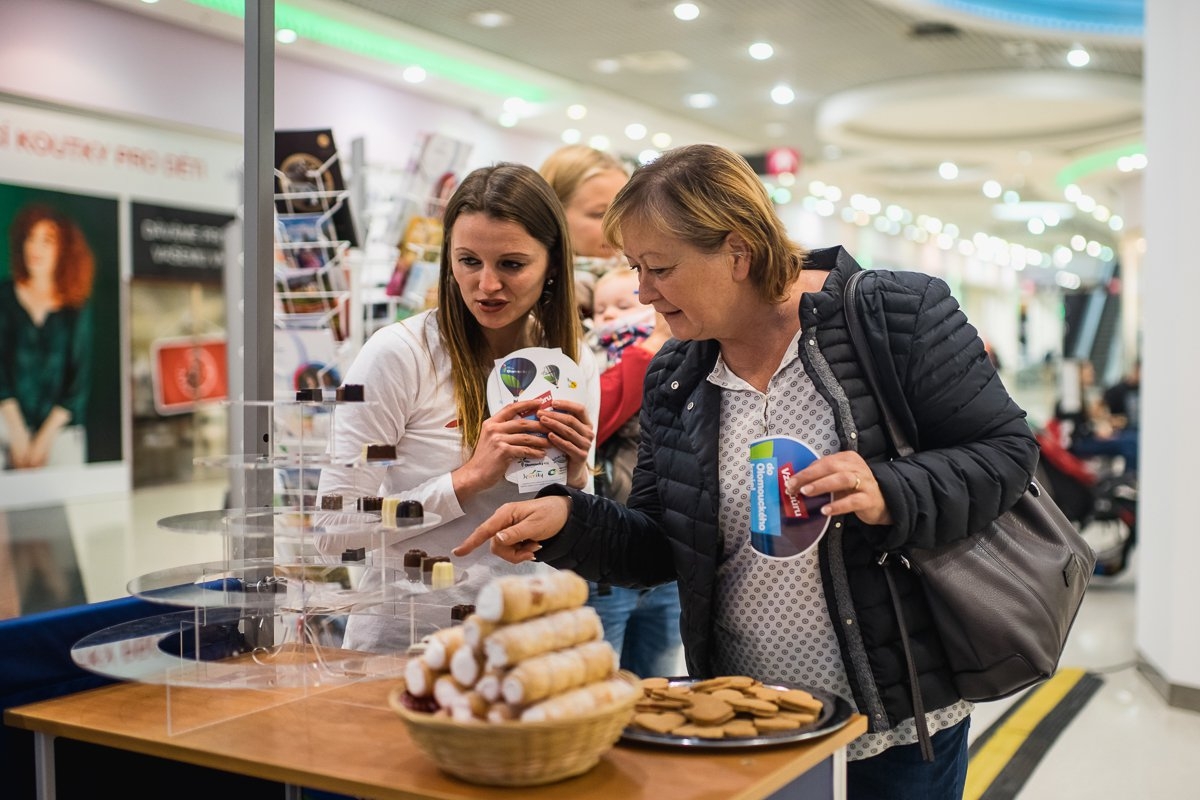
1088 497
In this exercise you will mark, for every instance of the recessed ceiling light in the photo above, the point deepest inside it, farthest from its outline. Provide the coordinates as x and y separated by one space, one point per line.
490 19
606 66
661 140
285 36
761 51
599 141
686 11
783 94
572 136
701 100
415 74
1078 56
948 170
636 131
577 111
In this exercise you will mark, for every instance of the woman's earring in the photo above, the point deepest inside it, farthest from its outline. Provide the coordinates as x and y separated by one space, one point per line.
547 291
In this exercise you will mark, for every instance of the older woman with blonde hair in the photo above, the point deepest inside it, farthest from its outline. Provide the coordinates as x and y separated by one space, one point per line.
762 349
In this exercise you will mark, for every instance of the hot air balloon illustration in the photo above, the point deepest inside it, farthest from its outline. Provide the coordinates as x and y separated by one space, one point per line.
517 374
551 373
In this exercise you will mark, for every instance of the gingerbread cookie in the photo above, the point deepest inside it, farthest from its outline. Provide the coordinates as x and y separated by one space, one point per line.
659 722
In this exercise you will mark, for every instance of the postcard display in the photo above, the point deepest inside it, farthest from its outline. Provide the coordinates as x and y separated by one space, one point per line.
403 226
269 615
314 232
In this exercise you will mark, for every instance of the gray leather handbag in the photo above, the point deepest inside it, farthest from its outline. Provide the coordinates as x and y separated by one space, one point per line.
1003 600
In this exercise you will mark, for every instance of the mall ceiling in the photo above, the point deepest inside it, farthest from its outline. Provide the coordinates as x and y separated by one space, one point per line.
885 90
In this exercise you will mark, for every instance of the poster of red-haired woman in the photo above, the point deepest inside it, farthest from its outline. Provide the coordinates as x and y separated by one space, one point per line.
60 387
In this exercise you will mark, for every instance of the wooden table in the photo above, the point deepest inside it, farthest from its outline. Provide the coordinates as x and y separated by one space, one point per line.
348 740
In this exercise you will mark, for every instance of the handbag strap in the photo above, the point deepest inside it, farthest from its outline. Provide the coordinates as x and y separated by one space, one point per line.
918 701
866 360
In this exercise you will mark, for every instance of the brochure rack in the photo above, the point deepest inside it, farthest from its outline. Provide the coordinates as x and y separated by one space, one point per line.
402 223
313 300
312 278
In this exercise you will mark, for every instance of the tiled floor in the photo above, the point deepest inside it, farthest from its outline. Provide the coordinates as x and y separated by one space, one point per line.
1126 742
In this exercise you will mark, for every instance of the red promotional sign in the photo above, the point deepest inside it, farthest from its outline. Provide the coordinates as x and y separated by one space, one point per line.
188 371
783 159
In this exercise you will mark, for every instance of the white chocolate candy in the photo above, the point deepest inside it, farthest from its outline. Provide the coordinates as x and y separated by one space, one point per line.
387 514
443 575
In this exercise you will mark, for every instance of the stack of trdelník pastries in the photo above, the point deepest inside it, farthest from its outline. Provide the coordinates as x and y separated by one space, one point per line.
532 651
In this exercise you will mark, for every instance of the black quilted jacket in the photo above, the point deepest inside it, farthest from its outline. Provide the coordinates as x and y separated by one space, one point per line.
976 456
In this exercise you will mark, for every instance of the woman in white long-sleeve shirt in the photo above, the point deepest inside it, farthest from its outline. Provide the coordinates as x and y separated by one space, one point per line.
505 284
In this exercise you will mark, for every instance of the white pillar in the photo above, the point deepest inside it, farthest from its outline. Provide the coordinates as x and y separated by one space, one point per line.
1168 599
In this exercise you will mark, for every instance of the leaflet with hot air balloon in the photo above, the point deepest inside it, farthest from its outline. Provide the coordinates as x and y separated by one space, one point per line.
531 373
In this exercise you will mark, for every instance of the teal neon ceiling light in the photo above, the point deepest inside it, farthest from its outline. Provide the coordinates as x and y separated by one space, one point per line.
349 38
1097 162
1100 17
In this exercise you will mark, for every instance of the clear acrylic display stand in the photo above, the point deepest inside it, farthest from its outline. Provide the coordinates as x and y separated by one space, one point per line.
271 625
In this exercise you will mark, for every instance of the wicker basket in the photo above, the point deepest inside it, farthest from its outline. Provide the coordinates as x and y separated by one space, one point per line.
517 753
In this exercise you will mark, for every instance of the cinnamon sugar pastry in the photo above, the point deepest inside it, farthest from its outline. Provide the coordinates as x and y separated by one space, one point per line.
419 677
466 666
577 702
513 598
441 647
552 673
510 644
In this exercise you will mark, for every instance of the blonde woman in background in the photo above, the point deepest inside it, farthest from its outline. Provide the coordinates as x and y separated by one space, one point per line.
641 624
586 180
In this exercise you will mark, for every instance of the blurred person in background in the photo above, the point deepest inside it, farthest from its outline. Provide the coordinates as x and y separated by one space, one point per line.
641 624
586 180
